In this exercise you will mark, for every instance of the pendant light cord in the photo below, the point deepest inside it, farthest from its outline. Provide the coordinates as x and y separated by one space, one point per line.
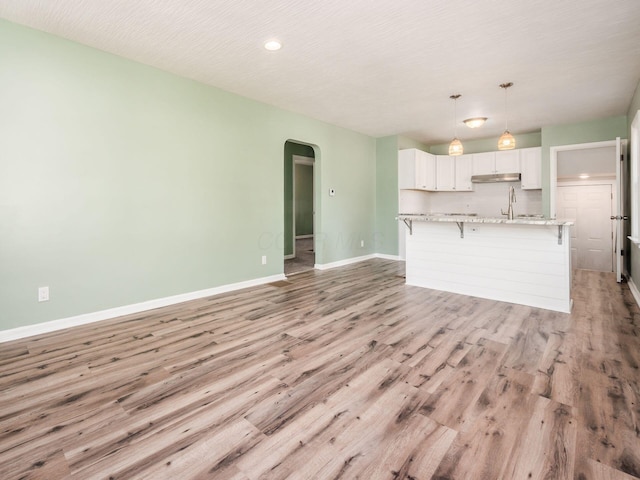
455 113
506 111
506 115
455 118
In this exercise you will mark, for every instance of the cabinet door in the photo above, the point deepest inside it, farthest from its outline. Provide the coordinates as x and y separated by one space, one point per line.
445 173
484 163
425 171
406 169
416 170
464 168
508 161
531 165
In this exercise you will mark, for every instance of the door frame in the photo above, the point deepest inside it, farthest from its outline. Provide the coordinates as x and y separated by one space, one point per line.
619 186
309 161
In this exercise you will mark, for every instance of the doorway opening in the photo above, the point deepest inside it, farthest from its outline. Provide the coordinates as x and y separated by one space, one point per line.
299 211
586 186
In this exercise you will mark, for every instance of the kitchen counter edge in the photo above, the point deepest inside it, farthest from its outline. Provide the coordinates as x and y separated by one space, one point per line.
474 219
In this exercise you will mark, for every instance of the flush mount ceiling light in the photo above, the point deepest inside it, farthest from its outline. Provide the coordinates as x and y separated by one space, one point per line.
273 45
475 122
455 147
506 140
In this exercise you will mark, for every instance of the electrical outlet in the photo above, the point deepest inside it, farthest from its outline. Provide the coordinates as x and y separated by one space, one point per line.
43 294
264 259
362 243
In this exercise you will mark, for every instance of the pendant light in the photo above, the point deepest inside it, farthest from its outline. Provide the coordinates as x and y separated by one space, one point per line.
455 147
506 141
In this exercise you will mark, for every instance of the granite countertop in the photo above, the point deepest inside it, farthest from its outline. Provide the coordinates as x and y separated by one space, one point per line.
460 218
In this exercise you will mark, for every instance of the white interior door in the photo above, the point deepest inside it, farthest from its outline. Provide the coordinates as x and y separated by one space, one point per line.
592 235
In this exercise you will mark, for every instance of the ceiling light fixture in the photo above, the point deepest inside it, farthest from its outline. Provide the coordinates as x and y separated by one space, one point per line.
506 140
475 122
455 147
583 176
273 45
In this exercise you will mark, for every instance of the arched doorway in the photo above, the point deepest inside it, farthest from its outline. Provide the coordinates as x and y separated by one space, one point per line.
299 207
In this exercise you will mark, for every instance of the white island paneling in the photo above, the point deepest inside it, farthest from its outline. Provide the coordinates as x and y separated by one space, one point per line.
513 261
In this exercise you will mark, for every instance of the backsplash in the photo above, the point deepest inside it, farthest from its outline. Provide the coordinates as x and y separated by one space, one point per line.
486 200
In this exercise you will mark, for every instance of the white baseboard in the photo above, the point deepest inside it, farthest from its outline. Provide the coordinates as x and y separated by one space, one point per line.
384 256
302 237
53 325
342 263
289 257
634 290
349 261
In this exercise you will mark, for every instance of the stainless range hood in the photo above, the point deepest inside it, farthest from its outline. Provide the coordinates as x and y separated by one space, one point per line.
496 177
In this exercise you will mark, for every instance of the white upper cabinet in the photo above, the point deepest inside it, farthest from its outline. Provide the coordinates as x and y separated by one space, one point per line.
453 174
445 173
484 163
416 170
464 167
506 161
531 167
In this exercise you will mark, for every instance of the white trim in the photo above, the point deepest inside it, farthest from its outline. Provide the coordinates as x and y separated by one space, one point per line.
342 263
634 290
634 180
310 162
289 257
580 183
302 237
349 261
51 326
620 146
384 256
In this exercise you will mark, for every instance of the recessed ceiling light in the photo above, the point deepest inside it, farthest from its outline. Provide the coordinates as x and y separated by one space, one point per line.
583 176
273 45
475 122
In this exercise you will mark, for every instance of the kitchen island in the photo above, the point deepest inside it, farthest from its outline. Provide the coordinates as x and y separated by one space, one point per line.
525 260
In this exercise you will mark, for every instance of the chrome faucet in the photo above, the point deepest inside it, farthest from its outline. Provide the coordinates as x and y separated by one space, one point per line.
512 200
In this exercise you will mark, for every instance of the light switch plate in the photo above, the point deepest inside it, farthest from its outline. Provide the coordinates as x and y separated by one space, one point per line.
43 294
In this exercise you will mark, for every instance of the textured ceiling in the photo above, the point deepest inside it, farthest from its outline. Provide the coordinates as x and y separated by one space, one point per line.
376 66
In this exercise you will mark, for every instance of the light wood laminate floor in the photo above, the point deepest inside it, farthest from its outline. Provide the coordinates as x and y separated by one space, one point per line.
304 260
344 373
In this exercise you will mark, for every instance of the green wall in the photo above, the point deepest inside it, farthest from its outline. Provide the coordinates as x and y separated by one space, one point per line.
120 183
304 199
386 236
290 149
